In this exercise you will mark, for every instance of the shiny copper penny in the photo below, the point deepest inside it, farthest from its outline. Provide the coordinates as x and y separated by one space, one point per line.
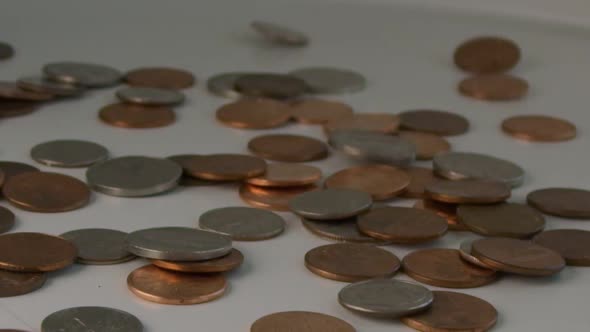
186 180
375 122
380 181
435 122
160 77
19 283
300 321
288 148
494 87
539 128
35 252
453 312
10 108
319 111
504 219
10 90
254 114
6 219
487 54
136 116
351 262
420 177
12 168
517 256
272 198
287 175
168 287
445 210
427 145
561 202
572 244
225 167
223 264
468 191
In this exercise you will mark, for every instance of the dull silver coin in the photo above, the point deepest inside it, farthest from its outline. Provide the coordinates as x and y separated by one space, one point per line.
85 74
69 153
224 85
178 244
465 253
330 204
270 85
43 85
150 96
279 34
99 246
243 223
330 80
134 176
345 230
95 319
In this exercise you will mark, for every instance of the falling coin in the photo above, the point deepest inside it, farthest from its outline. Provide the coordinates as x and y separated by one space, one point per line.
20 283
85 74
95 319
331 80
539 128
69 153
345 230
222 264
6 219
272 198
277 86
374 122
279 34
331 204
427 145
288 148
468 191
487 54
6 51
35 252
465 252
99 246
287 175
300 321
494 87
10 90
380 181
420 177
243 223
256 113
160 77
226 167
136 116
445 210
435 122
572 244
561 202
504 220
319 111
150 96
44 85
12 168
11 108
184 160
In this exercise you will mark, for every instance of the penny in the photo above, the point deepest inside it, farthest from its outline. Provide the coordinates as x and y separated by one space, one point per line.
331 80
136 116
6 51
254 114
226 167
331 204
451 311
434 122
69 153
468 191
168 287
222 264
380 181
504 219
95 319
287 175
572 244
160 77
6 219
85 74
20 283
243 223
99 246
465 252
445 210
385 298
351 262
494 87
184 160
35 252
272 198
10 108
279 34
539 128
345 230
488 54
288 148
373 147
10 90
150 96
420 177
300 321
224 85
44 85
178 244
277 86
374 122
12 168
517 256
427 145
561 202
319 111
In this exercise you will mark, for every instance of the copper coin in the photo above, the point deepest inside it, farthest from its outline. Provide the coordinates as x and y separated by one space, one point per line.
443 267
288 148
226 167
6 219
517 256
10 90
6 51
402 224
183 160
504 219
453 312
319 111
561 202
572 244
46 192
272 198
300 321
223 264
351 262
345 230
494 87
160 77
435 122
468 191
539 128
12 168
35 252
287 175
380 181
168 287
445 210
10 108
487 54
254 114
420 177
427 145
465 252
136 116
19 283
269 85
375 122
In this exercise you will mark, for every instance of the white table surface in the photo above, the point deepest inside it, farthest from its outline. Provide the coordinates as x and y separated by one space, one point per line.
404 51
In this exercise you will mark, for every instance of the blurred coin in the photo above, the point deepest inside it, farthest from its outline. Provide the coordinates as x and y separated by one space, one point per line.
243 223
99 246
373 122
85 74
287 175
225 167
504 219
224 84
35 252
11 91
6 220
331 80
572 244
435 122
95 319
288 148
539 128
20 283
69 153
465 252
44 85
184 160
126 115
319 111
272 198
380 181
427 145
222 264
345 230
468 191
494 87
269 85
150 96
420 177
256 113
160 77
6 51
12 168
487 54
13 107
300 321
331 204
279 34
561 202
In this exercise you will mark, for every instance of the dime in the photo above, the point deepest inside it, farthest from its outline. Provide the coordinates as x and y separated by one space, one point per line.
69 153
279 34
150 96
331 204
572 244
85 74
99 246
380 181
243 223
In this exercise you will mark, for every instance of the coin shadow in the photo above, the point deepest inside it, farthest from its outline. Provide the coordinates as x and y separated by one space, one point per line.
244 269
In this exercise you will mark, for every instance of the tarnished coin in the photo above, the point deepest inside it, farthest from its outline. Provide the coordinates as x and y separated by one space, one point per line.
445 210
427 145
331 80
35 252
435 122
278 34
243 223
95 319
14 107
465 252
420 177
12 168
222 264
572 244
99 246
373 147
494 87
44 85
351 262
504 219
11 91
224 84
184 160
178 244
85 74
345 230
69 153
160 77
225 167
331 204
6 51
468 191
20 283
539 128
150 96
126 115
373 122
319 111
488 54
288 148
269 85
287 175
561 202
6 220
380 181
300 321
385 297
259 113
272 198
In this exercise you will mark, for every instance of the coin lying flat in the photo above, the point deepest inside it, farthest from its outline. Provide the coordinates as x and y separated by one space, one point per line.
331 80
160 77
300 321
99 246
427 145
243 223
12 168
561 202
287 175
11 91
374 122
225 167
35 252
44 85
435 122
504 219
331 204
126 115
345 230
69 153
465 252
488 54
278 34
572 244
183 160
95 319
14 107
85 74
222 264
150 96
6 51
468 191
288 148
380 181
319 111
420 177
20 283
259 113
445 210
269 85
539 128
494 87
6 219
272 198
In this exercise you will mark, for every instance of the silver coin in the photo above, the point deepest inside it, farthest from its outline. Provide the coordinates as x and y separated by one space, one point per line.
85 74
95 319
6 51
134 176
469 165
373 147
69 153
150 96
345 230
243 223
99 246
224 85
385 297
270 85
330 204
41 84
330 80
465 253
279 34
178 244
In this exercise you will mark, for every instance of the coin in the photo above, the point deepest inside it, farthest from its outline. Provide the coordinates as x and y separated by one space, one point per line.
420 177
257 113
517 256
488 54
99 246
6 219
44 85
561 202
539 128
572 244
373 147
287 175
331 204
69 153
380 181
279 34
150 96
136 116
470 165
465 252
269 85
435 122
331 80
243 223
494 87
300 321
35 252
20 283
184 160
222 264
11 91
272 198
374 122
178 244
95 319
160 77
427 145
288 148
402 224
345 230
168 287
6 51
319 111
451 311
445 210
351 262
468 191
11 108
224 84
504 219
226 167
385 297
12 168
85 74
